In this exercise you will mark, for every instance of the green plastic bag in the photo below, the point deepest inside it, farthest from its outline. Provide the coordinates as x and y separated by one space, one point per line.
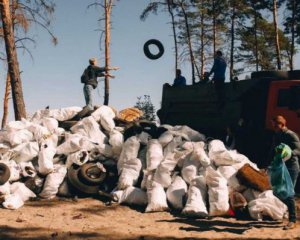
280 178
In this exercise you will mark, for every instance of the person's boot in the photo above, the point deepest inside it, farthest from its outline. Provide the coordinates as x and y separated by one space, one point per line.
290 225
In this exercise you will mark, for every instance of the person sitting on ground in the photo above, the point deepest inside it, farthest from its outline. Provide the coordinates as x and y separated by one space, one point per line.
89 79
284 135
179 80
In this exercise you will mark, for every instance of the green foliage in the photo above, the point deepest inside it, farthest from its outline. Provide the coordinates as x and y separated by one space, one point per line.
144 104
265 45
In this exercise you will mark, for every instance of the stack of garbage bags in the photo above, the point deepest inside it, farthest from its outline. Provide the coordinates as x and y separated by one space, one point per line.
172 169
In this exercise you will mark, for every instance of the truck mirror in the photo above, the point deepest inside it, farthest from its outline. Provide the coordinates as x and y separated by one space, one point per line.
294 97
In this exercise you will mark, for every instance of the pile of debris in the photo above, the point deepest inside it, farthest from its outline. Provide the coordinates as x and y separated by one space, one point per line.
75 151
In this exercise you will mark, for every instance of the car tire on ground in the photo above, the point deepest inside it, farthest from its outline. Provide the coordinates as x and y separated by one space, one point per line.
91 174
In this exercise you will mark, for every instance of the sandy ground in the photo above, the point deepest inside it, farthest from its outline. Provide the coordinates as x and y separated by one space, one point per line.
92 219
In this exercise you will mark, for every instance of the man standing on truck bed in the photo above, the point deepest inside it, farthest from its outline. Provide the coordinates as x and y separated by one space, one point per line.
179 80
288 137
219 69
89 79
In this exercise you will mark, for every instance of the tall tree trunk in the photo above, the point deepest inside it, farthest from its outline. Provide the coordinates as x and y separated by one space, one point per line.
108 7
232 41
276 34
202 61
189 42
13 65
214 27
5 101
293 4
170 5
7 83
255 38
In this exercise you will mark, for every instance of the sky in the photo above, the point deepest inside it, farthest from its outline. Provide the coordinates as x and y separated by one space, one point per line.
53 76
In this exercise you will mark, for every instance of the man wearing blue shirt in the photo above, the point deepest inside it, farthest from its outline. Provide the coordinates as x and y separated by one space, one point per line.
179 80
219 69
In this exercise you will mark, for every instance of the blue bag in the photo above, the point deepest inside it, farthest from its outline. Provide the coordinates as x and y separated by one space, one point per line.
280 178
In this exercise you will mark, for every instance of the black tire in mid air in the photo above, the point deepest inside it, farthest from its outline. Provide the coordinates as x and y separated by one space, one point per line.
158 44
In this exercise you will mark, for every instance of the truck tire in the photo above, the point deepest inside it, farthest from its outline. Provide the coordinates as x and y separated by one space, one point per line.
276 75
4 173
158 44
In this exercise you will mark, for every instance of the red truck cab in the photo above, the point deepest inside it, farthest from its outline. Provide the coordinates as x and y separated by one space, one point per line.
284 99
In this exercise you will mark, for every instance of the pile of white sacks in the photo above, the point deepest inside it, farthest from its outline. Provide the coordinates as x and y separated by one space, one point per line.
178 170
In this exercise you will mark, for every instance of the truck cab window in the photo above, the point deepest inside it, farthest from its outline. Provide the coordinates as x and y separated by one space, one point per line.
283 99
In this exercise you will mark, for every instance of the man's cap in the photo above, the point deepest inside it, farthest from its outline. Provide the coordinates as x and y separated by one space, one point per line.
279 119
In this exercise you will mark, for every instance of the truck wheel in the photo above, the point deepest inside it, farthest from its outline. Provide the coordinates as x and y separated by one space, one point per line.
4 173
158 44
277 75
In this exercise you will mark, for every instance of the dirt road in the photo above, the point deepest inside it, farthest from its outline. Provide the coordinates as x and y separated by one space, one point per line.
91 219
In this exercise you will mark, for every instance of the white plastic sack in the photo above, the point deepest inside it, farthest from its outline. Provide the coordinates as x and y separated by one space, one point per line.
63 114
5 189
197 195
164 170
267 205
20 194
165 138
20 189
15 170
79 158
229 173
157 199
27 169
13 201
190 169
147 179
38 115
154 154
13 126
176 193
39 132
50 123
90 128
25 151
188 133
200 154
74 143
130 173
218 193
132 196
129 151
53 181
105 115
50 140
45 160
170 148
16 137
181 155
4 148
116 140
